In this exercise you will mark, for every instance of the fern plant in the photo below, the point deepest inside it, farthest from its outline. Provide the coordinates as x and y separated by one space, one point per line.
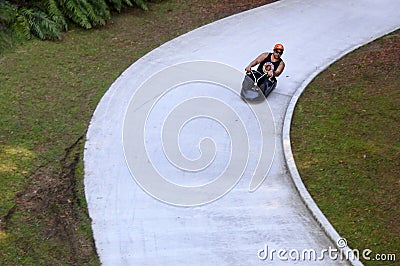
101 12
34 22
76 12
52 8
46 19
142 4
118 4
7 18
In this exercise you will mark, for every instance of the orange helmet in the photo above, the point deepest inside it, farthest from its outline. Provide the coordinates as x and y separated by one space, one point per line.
279 46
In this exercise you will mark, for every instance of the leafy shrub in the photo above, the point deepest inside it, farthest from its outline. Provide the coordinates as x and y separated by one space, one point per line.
47 19
7 19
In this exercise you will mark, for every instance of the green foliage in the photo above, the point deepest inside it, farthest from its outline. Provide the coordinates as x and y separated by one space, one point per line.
34 22
7 14
100 12
118 4
7 18
54 12
86 13
47 19
141 4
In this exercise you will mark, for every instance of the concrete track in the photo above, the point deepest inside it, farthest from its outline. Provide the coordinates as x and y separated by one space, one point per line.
134 227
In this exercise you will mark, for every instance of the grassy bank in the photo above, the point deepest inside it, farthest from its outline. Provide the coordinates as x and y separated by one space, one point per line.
48 93
346 142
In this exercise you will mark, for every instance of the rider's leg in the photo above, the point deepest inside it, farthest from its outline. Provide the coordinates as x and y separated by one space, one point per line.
269 86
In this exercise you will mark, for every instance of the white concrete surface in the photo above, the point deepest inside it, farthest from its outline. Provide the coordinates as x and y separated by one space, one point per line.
133 228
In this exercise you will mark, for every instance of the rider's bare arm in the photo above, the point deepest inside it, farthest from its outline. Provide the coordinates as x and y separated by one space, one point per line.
279 70
256 61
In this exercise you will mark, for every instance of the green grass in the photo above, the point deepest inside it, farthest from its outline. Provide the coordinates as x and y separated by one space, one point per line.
49 90
48 93
346 142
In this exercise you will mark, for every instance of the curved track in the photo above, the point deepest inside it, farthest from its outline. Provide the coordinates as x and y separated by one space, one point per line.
158 227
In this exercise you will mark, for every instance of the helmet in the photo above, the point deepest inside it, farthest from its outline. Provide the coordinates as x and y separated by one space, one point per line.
279 46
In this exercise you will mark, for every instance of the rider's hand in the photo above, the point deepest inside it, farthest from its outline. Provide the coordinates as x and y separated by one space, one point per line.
270 74
248 69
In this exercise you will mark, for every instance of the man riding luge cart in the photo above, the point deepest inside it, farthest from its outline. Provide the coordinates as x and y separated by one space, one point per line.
259 83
